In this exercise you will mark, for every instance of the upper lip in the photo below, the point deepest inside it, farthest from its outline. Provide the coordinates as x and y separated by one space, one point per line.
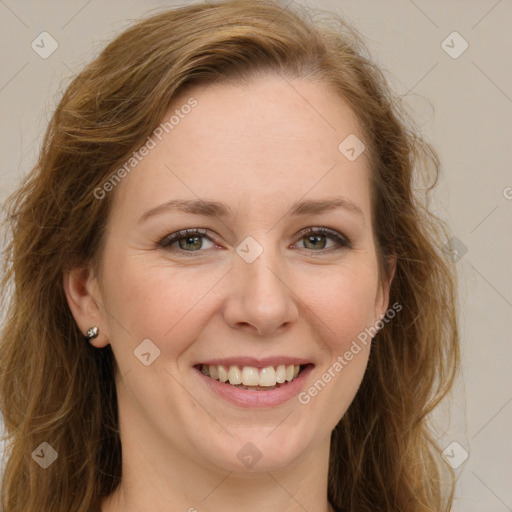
255 362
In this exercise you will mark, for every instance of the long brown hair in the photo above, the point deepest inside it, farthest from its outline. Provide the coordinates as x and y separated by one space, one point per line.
57 388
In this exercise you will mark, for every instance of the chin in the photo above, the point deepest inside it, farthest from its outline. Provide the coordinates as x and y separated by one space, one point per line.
253 450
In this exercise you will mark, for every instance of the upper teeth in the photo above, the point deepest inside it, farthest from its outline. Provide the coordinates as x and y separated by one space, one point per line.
251 376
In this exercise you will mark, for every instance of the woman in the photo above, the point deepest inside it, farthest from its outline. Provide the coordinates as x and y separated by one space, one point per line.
221 220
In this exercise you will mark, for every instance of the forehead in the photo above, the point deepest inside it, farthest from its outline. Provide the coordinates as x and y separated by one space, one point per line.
272 138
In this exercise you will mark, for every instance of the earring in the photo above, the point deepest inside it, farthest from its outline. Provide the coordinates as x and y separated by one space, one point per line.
92 333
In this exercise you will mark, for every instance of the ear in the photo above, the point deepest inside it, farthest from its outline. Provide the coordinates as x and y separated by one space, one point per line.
83 296
382 299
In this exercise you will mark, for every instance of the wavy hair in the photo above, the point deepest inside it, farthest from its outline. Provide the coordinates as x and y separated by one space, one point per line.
56 388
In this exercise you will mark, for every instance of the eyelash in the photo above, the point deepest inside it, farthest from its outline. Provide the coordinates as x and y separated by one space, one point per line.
179 235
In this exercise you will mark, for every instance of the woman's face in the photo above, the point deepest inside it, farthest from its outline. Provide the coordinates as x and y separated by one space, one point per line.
254 288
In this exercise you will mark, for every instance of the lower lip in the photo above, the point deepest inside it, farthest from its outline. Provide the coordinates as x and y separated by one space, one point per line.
245 398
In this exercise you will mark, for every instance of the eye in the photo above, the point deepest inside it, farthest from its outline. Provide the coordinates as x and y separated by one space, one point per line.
192 240
316 238
186 239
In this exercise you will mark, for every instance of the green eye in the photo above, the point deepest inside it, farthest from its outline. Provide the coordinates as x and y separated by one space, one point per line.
186 239
313 237
191 240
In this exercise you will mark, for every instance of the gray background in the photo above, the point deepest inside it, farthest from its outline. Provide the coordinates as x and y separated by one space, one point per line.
464 105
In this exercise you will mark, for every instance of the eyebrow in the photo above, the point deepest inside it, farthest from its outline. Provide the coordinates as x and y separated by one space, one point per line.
217 209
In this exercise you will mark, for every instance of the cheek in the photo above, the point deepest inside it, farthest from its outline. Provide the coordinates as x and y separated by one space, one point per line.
344 301
344 311
155 302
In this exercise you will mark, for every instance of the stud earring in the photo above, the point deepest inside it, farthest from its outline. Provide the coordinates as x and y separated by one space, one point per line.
92 333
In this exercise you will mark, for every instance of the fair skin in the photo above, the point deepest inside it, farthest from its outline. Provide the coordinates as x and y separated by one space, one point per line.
258 148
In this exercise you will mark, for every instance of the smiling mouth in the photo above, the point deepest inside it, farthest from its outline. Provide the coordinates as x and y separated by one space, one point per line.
252 378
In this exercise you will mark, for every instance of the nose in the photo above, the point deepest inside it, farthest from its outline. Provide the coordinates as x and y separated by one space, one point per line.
259 297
